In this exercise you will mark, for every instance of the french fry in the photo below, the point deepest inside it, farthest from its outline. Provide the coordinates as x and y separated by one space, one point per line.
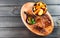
36 11
40 8
40 12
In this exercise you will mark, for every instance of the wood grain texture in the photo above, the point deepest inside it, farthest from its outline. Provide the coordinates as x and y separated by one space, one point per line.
10 21
7 7
12 11
14 32
9 11
50 1
21 2
54 9
24 33
15 21
11 25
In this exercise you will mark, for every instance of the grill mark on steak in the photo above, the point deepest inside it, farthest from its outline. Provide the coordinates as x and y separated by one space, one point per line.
42 30
41 22
39 28
47 20
44 20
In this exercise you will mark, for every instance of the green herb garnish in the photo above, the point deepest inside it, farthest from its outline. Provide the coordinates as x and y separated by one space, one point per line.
31 20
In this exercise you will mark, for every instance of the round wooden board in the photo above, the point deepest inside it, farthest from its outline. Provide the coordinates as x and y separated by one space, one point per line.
23 16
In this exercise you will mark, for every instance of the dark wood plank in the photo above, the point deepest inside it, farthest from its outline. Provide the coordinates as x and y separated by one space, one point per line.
21 2
14 32
12 11
8 2
7 7
54 9
51 1
13 2
12 21
24 33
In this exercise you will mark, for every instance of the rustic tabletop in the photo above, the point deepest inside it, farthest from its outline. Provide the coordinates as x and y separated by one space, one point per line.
11 24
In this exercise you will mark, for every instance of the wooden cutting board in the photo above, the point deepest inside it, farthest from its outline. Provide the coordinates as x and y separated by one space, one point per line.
23 16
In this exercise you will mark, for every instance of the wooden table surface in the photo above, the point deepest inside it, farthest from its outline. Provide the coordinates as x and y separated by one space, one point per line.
11 25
